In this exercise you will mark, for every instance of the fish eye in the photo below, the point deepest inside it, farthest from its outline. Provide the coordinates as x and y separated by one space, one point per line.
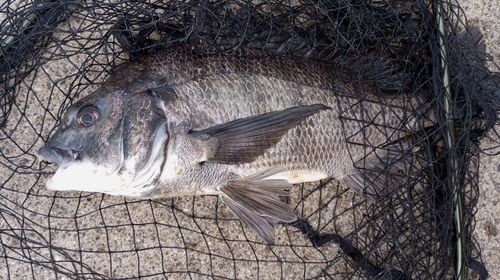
87 115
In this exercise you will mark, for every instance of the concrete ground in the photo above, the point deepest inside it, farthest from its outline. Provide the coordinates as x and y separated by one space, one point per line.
145 237
486 15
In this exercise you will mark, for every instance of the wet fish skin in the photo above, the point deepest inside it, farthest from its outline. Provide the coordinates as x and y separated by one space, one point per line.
185 122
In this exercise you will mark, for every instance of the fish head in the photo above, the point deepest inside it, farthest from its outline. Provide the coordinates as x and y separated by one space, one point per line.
107 142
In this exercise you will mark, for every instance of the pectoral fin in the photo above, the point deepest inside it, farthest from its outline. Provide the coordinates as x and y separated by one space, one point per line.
256 201
242 140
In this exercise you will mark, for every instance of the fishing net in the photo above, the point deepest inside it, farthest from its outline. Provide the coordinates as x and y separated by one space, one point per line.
53 52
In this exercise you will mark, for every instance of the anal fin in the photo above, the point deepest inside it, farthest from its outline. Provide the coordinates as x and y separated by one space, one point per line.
256 202
382 173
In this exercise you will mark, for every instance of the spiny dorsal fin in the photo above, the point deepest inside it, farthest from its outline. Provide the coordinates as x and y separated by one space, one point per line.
243 140
256 201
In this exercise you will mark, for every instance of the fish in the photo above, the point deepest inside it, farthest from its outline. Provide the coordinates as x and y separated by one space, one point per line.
247 126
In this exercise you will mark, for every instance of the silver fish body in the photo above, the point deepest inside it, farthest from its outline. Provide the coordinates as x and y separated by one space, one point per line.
193 122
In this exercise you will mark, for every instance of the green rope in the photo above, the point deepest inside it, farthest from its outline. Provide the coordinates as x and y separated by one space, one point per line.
25 23
450 143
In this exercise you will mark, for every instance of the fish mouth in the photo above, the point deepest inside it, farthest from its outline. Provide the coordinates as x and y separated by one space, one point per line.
59 156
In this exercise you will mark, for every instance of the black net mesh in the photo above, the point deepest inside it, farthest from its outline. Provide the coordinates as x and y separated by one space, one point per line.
53 52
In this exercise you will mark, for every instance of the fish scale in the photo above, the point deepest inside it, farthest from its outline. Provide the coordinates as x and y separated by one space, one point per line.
271 94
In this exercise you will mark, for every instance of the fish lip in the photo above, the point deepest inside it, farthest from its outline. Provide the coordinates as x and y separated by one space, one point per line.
59 156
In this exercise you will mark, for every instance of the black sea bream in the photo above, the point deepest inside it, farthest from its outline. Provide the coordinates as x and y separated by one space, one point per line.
191 121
